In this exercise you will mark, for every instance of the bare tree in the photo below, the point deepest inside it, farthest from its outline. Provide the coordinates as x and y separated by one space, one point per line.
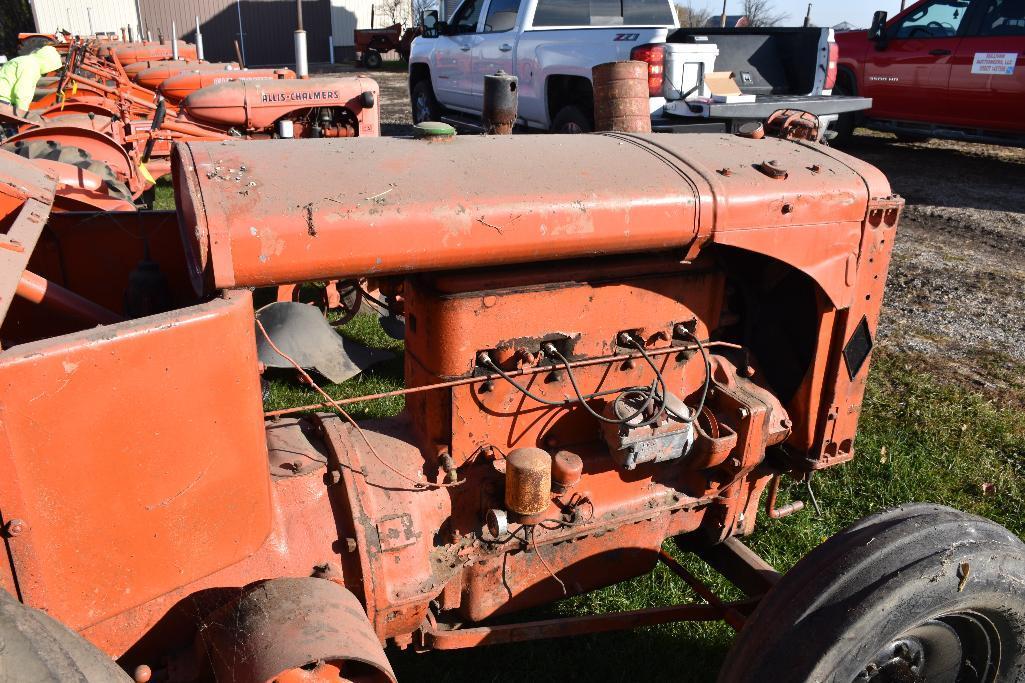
393 11
421 6
762 13
693 17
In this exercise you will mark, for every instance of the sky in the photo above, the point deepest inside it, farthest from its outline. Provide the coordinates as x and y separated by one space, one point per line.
823 12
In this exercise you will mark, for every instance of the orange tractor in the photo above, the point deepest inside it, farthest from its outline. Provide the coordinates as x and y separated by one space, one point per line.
611 341
98 118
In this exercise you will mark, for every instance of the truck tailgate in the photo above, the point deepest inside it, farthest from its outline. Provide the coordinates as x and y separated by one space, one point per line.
765 105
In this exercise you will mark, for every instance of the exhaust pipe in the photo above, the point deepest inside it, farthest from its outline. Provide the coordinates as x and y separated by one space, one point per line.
174 41
199 41
302 68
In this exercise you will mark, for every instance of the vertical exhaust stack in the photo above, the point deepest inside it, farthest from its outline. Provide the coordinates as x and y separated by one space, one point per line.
500 103
302 68
174 41
199 41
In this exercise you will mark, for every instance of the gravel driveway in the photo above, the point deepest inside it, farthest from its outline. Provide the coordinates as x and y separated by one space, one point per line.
956 293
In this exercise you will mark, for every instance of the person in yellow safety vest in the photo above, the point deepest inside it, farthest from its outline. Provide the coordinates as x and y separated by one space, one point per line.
18 79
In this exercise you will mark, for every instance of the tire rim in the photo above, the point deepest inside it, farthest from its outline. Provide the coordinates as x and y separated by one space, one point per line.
423 108
961 647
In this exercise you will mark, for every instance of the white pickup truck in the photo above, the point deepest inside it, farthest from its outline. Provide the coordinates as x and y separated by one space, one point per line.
552 45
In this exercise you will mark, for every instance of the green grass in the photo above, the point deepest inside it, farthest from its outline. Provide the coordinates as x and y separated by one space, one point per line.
920 440
384 377
163 197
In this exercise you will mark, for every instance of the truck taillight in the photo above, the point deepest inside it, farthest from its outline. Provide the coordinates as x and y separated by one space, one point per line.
655 57
834 57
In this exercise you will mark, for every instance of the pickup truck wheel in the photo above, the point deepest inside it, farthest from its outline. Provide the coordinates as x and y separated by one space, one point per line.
425 105
919 593
571 119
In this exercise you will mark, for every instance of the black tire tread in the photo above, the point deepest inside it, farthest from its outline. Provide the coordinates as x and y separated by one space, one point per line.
904 539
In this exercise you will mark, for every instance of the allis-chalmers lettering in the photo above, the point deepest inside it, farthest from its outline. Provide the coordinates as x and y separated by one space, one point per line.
299 96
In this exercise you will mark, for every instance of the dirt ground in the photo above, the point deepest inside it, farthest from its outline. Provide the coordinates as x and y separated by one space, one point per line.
955 300
956 293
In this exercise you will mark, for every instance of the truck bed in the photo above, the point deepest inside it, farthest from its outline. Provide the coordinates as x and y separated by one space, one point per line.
766 61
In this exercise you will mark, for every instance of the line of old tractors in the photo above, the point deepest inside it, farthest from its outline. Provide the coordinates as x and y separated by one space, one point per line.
105 126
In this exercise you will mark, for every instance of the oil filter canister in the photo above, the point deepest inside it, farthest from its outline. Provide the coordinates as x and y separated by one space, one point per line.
528 482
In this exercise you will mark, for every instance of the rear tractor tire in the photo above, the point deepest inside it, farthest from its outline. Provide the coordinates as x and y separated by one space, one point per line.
372 59
75 156
922 593
36 647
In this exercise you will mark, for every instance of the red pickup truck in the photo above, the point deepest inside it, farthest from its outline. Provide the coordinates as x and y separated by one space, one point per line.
941 68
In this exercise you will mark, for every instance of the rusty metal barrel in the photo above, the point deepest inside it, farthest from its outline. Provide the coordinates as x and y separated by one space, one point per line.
501 102
621 97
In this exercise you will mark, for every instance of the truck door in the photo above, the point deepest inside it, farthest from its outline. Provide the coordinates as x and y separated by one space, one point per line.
454 59
988 73
907 79
497 46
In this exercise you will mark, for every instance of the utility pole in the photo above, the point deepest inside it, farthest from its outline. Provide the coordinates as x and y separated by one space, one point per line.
807 17
722 20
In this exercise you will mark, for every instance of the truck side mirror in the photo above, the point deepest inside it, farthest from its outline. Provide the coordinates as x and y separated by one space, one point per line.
429 21
877 33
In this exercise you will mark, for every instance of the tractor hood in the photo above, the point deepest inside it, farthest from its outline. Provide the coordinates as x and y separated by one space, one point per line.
252 216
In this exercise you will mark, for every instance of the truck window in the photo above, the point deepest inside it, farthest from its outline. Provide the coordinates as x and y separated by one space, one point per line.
603 13
465 18
501 16
1004 18
940 19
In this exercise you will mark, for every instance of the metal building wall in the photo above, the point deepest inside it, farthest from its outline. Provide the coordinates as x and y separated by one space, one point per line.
267 27
74 15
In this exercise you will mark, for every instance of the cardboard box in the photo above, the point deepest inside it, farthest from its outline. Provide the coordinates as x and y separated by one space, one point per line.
724 89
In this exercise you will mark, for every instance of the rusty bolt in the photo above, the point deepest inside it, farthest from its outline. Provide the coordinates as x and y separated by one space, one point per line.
142 674
350 544
773 169
16 527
